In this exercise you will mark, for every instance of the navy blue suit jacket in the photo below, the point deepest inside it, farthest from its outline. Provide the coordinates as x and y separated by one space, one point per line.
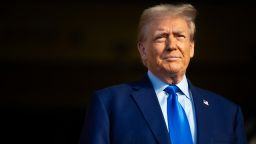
130 114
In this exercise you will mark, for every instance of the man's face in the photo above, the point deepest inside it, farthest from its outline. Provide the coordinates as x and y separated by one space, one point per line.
167 48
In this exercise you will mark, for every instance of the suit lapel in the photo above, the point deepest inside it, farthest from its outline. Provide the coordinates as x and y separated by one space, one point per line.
146 99
203 116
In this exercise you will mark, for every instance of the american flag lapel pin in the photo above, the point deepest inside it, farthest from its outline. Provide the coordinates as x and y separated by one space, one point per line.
206 102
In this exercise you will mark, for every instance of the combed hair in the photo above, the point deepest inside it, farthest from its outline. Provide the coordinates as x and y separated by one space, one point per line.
187 11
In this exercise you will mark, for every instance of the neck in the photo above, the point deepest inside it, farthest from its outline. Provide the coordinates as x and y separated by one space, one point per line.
169 77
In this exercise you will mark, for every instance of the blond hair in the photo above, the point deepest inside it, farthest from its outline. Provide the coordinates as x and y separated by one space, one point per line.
186 11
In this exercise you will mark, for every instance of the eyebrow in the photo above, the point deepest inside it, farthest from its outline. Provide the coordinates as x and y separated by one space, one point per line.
161 34
161 30
179 31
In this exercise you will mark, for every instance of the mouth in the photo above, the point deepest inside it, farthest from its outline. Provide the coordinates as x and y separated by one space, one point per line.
172 58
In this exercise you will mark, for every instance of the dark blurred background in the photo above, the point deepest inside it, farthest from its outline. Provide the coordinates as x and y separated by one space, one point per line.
55 54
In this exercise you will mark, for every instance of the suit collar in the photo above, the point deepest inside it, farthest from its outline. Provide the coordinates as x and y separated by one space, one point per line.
146 99
203 112
159 85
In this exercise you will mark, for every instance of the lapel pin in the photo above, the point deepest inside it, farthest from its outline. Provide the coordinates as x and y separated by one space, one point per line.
206 102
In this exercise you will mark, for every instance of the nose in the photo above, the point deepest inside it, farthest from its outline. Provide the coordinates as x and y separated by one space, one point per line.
170 43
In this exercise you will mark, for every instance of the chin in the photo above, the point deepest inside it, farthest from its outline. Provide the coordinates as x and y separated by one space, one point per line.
171 71
172 67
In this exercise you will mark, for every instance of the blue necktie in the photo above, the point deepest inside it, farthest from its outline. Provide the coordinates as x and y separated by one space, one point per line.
179 129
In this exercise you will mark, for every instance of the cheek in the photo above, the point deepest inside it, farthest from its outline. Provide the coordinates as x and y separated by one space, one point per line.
185 49
154 53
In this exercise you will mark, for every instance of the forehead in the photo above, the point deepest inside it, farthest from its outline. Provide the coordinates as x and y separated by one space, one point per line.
169 23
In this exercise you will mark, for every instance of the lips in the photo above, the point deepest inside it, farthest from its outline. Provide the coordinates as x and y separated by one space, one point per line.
171 58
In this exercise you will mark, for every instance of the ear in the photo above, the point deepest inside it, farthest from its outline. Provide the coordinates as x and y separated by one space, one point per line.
192 49
142 50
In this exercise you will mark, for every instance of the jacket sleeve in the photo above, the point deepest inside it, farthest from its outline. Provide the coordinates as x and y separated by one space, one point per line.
239 128
95 129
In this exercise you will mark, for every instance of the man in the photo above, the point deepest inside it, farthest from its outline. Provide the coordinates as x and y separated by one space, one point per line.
142 112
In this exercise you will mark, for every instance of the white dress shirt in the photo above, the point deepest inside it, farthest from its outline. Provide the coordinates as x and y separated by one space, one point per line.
184 98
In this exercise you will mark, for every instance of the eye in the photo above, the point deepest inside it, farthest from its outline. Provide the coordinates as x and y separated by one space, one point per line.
161 37
180 36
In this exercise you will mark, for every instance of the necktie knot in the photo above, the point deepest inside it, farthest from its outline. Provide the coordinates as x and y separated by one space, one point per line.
172 90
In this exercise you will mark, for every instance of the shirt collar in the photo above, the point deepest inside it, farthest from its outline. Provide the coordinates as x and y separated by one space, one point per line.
159 85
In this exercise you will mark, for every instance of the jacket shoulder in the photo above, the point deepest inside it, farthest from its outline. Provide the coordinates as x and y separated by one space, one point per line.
114 89
216 98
